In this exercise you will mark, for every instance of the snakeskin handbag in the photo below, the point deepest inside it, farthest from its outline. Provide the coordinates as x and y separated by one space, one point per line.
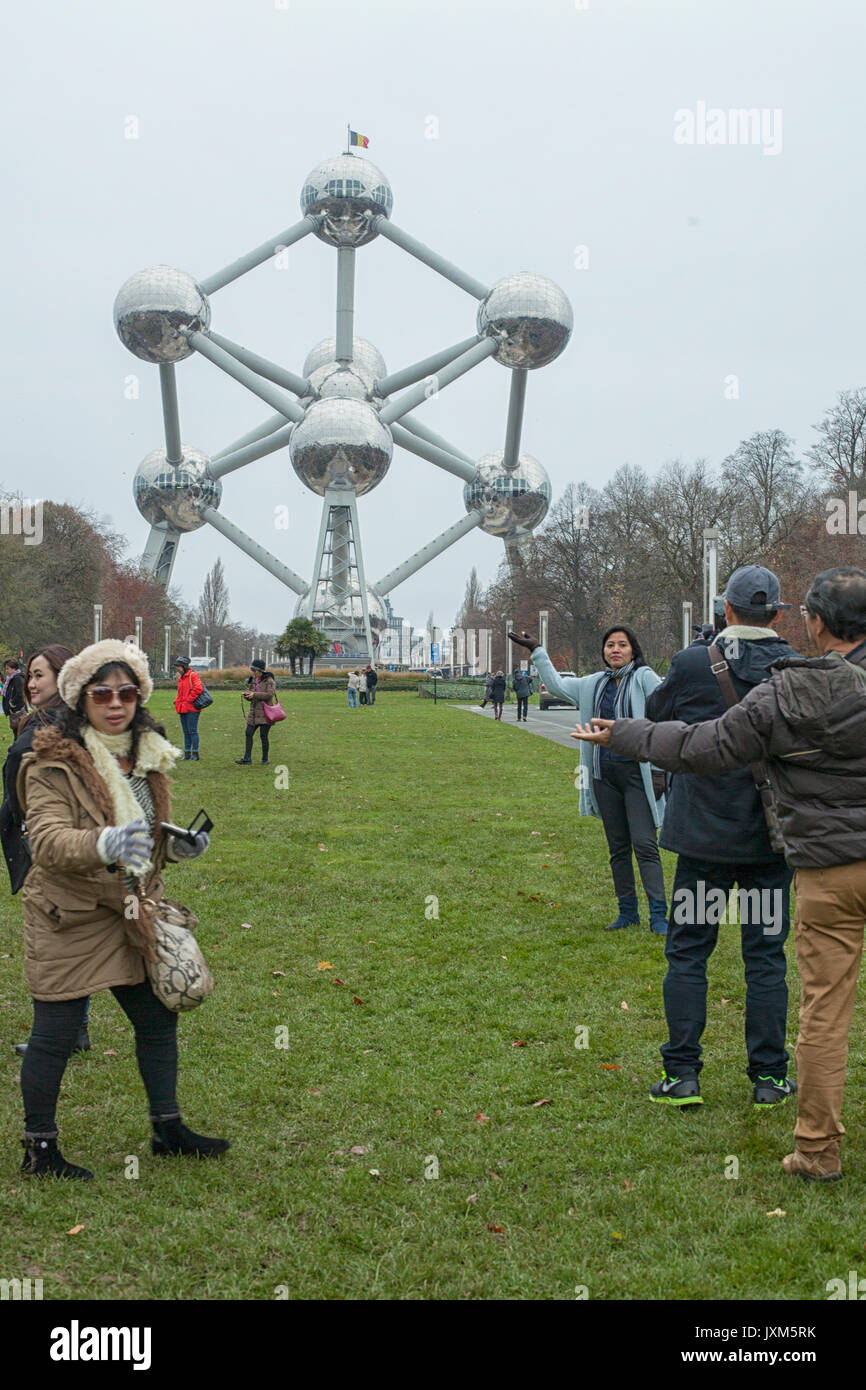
179 976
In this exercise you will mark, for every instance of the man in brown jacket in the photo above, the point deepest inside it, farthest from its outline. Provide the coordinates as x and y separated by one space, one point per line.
809 721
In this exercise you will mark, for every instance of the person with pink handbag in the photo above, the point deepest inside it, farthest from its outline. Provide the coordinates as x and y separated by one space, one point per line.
261 696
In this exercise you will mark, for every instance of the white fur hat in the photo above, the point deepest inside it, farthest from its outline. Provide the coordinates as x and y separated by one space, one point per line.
79 670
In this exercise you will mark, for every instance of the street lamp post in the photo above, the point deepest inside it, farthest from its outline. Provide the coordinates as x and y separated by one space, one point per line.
97 622
167 656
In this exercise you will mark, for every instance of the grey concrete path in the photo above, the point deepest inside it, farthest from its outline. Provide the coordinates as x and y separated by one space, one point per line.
556 724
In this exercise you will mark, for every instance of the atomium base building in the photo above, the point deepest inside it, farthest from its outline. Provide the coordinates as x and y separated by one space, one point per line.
342 416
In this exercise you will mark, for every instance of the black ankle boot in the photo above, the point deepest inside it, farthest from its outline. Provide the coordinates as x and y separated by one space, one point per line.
42 1159
171 1136
82 1042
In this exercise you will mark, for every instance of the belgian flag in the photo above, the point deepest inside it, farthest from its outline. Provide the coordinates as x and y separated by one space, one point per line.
356 139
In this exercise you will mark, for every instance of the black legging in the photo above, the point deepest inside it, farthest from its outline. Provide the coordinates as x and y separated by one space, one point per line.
250 735
55 1028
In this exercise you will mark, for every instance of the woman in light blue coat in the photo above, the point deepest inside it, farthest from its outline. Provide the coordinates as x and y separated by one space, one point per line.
619 791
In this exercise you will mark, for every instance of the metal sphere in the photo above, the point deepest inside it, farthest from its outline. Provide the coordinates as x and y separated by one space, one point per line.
366 358
176 495
341 443
339 615
339 379
347 192
513 501
152 306
531 315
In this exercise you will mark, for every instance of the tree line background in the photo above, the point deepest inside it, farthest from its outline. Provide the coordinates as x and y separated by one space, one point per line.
632 551
47 593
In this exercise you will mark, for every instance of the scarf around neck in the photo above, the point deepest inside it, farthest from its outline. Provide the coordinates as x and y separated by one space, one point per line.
155 754
622 704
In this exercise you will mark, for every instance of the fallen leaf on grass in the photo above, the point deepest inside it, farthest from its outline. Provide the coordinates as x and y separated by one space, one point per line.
341 1152
482 1119
628 1185
110 1052
473 1197
359 1149
314 1093
497 1177
75 1230
278 972
374 1172
356 1000
536 1103
321 846
245 926
623 1005
617 1236
338 982
500 1230
437 1112
324 965
777 1212
610 1066
518 1043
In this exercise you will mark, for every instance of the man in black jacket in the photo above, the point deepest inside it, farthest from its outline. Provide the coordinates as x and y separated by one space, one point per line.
14 706
809 721
372 682
717 828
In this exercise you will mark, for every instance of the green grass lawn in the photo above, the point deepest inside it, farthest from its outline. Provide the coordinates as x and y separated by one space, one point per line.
401 1060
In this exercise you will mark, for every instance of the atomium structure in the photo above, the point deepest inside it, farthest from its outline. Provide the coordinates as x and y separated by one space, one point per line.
341 418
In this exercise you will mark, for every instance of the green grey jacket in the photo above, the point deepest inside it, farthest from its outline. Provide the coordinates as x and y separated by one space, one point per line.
808 720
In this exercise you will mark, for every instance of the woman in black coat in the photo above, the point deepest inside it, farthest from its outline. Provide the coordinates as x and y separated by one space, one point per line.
497 694
40 685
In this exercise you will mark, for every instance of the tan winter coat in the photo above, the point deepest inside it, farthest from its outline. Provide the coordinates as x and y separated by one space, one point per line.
264 692
77 939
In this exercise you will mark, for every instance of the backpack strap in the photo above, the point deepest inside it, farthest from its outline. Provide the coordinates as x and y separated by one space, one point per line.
760 775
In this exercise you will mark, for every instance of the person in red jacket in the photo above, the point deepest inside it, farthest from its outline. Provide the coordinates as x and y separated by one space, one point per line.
189 687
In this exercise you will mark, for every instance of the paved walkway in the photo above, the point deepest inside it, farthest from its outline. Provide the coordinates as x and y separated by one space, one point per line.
557 723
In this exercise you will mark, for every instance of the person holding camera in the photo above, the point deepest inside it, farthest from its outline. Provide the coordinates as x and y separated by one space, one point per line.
717 828
94 793
189 687
628 797
261 690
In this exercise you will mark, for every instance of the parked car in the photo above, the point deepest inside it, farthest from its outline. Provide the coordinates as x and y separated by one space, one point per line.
203 663
546 698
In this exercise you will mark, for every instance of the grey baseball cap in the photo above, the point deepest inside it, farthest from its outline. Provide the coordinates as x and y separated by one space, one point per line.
754 589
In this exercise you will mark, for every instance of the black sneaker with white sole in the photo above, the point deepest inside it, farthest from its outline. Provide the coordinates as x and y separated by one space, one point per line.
673 1090
769 1090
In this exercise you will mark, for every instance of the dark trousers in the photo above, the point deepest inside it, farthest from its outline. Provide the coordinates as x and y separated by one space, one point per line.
690 943
189 724
628 825
371 695
522 706
55 1028
251 733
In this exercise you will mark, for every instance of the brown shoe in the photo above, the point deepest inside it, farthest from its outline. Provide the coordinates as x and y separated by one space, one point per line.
824 1165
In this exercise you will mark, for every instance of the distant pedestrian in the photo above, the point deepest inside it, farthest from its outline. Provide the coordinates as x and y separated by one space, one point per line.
488 689
189 687
497 693
14 706
261 690
352 689
362 687
372 682
521 684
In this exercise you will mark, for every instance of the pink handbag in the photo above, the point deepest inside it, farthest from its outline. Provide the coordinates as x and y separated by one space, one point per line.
273 713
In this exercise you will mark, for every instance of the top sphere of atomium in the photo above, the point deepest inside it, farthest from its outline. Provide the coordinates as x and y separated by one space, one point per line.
341 443
176 495
532 317
347 192
367 360
513 500
152 306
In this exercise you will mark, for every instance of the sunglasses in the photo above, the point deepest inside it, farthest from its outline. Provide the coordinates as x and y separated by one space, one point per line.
104 694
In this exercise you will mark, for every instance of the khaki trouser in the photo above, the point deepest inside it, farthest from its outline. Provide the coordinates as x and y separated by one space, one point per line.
828 933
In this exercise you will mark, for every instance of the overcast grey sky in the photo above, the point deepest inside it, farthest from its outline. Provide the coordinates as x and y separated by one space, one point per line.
556 131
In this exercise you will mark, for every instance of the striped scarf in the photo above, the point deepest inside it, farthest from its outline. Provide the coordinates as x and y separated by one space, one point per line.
622 704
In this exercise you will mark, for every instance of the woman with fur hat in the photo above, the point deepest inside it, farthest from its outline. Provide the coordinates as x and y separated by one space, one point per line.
93 792
261 690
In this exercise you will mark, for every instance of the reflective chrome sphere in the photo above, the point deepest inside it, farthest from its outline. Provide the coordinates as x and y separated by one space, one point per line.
532 317
341 443
347 192
513 500
175 495
150 308
366 358
340 616
337 379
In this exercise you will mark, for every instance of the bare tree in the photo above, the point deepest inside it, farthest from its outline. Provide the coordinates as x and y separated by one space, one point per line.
766 494
839 456
213 606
